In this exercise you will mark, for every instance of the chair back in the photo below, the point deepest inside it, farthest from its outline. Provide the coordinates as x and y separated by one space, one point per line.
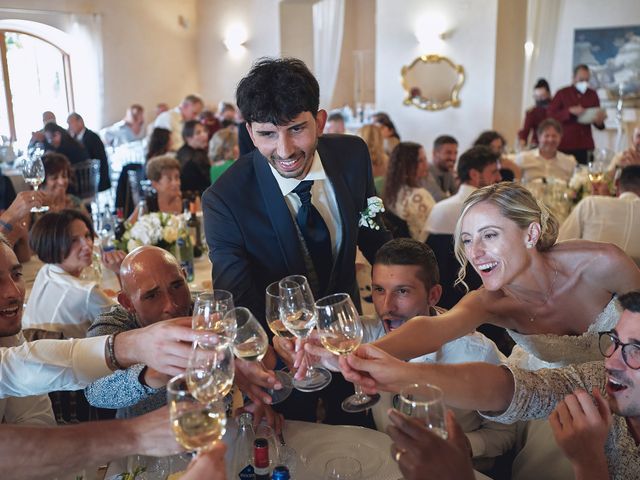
87 175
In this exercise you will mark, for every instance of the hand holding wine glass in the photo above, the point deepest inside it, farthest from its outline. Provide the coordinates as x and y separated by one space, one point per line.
33 173
211 369
209 311
340 331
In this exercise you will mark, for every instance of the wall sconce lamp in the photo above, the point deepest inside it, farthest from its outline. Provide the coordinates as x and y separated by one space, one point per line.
235 38
431 31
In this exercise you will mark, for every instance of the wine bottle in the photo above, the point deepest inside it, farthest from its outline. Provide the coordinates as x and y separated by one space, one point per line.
195 230
183 249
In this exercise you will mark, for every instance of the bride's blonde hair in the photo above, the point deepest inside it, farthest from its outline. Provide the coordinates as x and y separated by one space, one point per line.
515 203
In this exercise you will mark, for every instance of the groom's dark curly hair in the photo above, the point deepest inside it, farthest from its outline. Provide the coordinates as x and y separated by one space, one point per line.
276 90
630 301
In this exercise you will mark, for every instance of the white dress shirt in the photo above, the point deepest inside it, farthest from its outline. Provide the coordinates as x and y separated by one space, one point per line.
323 197
63 303
444 214
34 410
606 219
534 165
487 439
42 366
172 121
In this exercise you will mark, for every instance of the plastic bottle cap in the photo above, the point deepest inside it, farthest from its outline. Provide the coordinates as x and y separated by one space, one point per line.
261 453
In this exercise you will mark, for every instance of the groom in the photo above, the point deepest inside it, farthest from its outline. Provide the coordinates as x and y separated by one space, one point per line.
293 205
252 215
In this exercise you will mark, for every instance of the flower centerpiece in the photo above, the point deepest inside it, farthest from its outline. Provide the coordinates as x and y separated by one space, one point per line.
157 228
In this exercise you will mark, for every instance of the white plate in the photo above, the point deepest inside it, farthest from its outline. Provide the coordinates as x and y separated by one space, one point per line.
589 115
316 446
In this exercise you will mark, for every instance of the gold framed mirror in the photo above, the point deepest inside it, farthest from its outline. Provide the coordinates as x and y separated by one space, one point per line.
432 82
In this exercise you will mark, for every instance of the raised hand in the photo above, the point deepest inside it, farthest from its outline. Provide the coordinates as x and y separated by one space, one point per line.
260 411
251 377
581 428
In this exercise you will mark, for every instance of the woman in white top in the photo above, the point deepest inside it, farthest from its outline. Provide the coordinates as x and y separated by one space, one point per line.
60 300
402 195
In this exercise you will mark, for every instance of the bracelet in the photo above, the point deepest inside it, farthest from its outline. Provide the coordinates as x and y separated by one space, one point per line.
112 361
7 226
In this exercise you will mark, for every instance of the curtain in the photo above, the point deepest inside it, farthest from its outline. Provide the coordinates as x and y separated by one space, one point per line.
328 29
542 30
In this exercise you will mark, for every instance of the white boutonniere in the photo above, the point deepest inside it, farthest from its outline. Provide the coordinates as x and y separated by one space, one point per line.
367 216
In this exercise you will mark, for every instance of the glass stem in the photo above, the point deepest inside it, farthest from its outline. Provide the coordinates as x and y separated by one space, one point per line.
360 395
309 372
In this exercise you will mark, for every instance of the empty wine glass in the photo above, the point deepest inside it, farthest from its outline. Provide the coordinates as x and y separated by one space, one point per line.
209 310
340 331
33 173
251 341
196 425
424 402
343 468
210 370
298 314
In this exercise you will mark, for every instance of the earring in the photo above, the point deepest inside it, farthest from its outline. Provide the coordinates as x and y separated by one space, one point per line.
529 244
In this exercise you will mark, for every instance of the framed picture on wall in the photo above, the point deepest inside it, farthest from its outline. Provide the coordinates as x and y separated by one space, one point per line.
613 56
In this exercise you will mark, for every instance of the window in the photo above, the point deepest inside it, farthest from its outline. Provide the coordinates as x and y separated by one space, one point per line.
35 77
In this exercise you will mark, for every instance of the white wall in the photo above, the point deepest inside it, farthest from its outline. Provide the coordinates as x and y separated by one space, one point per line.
219 70
472 45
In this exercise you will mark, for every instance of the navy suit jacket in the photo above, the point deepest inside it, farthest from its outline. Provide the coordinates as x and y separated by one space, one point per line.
95 148
251 233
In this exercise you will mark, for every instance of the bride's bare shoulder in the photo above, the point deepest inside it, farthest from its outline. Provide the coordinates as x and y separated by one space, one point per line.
585 254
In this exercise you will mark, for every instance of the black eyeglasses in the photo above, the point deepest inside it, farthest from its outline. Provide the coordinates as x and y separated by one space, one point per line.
609 343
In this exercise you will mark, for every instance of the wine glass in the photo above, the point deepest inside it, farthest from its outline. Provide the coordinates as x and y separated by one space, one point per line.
210 370
298 314
596 171
424 402
251 343
343 468
33 173
272 314
209 310
341 332
196 425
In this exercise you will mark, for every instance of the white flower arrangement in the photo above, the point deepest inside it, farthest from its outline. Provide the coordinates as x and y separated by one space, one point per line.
157 228
368 215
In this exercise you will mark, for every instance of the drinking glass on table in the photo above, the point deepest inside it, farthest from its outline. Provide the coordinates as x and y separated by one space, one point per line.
424 402
33 173
298 314
209 310
343 468
251 343
340 331
210 370
197 425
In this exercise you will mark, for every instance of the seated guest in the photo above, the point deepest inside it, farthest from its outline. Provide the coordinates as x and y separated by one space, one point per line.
599 445
60 300
57 171
173 120
38 138
388 130
60 141
546 161
379 160
164 173
610 219
535 115
194 162
226 114
15 221
440 182
496 142
335 124
223 151
94 146
631 156
129 129
402 194
21 241
159 143
477 168
210 122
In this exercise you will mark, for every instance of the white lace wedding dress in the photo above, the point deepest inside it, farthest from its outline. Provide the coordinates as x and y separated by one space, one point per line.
538 455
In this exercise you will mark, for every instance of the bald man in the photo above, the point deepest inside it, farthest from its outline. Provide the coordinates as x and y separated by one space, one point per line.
154 288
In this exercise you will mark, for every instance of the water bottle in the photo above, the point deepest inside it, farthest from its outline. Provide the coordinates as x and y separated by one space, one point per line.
107 231
242 467
281 472
183 250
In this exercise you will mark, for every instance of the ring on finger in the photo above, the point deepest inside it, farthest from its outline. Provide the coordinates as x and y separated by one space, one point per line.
399 454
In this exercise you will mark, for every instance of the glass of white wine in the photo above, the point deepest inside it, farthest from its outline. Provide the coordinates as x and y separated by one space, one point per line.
298 314
210 370
596 171
209 310
340 331
196 425
424 402
33 173
272 311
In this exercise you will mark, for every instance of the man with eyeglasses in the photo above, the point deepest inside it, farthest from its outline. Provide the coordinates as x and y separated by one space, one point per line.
599 444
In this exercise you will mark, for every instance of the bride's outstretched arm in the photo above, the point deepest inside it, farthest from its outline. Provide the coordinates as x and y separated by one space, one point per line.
422 335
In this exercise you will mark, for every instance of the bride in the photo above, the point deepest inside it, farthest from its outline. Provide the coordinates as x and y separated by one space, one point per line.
552 298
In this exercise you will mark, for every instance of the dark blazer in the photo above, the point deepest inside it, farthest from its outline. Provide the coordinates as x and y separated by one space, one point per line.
251 233
95 149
